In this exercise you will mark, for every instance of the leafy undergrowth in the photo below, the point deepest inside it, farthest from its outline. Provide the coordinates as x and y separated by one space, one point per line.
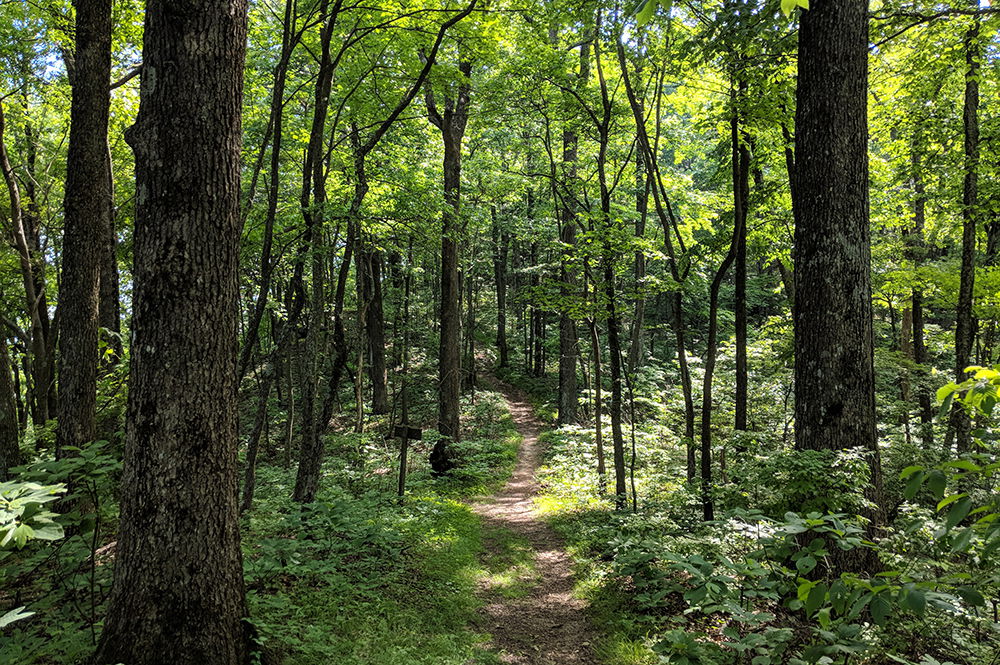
357 577
360 577
755 587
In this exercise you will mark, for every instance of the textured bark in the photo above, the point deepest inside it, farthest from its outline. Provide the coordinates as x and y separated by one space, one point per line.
375 329
87 217
965 325
10 451
451 120
178 593
834 372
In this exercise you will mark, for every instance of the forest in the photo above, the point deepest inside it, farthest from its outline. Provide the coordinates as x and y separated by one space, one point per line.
482 332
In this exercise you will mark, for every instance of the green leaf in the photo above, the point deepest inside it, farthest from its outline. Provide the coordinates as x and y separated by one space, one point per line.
962 540
915 601
951 498
958 512
963 464
646 13
971 596
945 391
880 608
936 482
15 614
913 486
909 471
816 597
805 564
946 406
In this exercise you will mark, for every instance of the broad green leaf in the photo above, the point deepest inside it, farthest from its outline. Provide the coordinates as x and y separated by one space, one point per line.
880 608
970 596
958 512
962 540
951 498
936 482
915 601
913 486
909 471
646 13
816 597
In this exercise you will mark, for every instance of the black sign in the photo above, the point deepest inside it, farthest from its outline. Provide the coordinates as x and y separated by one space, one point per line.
403 432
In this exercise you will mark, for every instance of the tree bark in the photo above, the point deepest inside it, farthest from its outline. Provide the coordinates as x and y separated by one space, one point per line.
178 595
741 196
501 243
451 121
87 217
10 450
834 371
965 325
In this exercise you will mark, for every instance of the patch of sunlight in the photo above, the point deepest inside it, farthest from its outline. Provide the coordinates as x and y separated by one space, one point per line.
620 650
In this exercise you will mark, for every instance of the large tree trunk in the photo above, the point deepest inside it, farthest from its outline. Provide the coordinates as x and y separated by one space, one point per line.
834 371
87 218
178 595
965 325
10 451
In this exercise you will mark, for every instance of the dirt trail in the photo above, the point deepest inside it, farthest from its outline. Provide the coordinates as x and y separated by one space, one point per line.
547 626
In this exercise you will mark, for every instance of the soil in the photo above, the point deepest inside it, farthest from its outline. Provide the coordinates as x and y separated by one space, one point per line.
547 625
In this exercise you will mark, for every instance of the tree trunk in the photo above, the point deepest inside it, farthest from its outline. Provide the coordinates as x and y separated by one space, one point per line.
741 196
25 239
312 202
451 120
10 450
834 372
501 242
109 314
87 218
965 325
178 595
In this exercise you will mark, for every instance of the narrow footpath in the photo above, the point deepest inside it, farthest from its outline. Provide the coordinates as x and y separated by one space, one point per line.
546 625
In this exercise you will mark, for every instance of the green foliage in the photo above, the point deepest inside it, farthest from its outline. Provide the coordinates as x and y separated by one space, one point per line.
22 513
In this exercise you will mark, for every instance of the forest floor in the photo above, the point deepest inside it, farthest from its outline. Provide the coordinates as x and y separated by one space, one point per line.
533 617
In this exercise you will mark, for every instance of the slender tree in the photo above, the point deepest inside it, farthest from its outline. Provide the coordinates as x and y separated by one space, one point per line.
87 218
